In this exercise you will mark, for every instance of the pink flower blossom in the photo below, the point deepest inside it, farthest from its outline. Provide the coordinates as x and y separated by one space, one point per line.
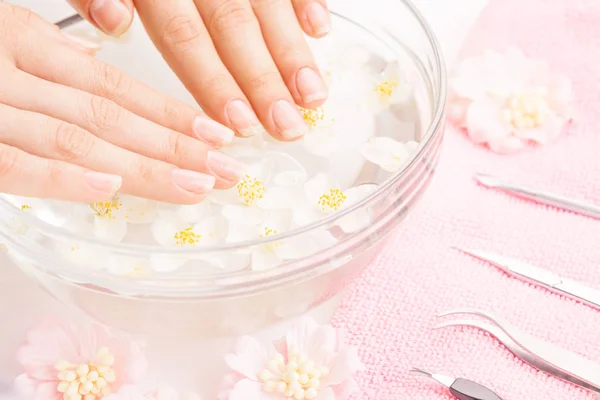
76 362
131 392
311 362
509 102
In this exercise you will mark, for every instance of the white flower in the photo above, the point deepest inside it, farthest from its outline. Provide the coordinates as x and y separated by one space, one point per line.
266 186
388 153
324 196
390 88
335 130
251 147
131 392
174 233
268 255
508 102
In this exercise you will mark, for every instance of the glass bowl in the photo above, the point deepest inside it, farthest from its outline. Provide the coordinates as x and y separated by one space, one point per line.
200 305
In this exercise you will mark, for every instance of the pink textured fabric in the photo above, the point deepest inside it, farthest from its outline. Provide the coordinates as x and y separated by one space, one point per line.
391 309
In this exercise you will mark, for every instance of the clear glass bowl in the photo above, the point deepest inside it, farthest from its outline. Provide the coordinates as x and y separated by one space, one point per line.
198 305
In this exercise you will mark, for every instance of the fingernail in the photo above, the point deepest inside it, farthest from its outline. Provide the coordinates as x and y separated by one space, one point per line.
319 19
82 43
243 119
112 16
288 120
225 167
310 85
103 183
212 132
192 181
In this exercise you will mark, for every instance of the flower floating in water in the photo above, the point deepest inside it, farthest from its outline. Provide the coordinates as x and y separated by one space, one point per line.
266 186
65 362
508 101
391 88
388 153
131 392
324 196
311 362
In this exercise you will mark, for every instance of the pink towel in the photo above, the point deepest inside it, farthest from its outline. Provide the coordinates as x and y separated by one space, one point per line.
390 311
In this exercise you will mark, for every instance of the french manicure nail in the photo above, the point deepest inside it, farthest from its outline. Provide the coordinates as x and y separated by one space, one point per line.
310 85
288 120
81 42
112 16
103 183
212 132
192 181
224 166
319 19
243 119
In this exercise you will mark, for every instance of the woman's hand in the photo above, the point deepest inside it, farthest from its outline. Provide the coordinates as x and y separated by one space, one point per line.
246 62
74 128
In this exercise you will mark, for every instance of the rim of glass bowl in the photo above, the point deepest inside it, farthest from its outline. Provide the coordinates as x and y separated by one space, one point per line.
60 233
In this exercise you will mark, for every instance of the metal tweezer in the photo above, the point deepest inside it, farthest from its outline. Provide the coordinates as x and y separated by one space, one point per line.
538 353
69 21
462 389
550 199
540 277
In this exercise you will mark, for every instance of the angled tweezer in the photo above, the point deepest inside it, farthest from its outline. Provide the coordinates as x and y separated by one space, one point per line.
538 353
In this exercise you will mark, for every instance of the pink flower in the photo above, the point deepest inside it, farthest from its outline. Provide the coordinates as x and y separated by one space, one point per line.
75 363
509 102
131 392
310 363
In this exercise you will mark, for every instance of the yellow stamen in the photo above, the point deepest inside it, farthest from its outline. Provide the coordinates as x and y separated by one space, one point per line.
187 237
250 190
526 111
25 207
332 200
90 381
106 208
386 88
312 116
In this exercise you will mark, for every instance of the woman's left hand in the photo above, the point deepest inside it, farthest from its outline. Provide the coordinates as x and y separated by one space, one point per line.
246 62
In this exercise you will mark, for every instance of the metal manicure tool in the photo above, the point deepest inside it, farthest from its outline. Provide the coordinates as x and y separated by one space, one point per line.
540 354
462 389
576 206
540 277
69 21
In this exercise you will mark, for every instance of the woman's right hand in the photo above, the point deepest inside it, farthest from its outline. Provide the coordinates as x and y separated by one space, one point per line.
74 128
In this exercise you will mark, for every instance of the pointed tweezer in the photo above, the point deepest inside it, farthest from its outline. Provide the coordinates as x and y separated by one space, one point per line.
540 354
540 277
576 206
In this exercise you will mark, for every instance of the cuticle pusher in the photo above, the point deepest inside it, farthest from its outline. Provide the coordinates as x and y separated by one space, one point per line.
462 389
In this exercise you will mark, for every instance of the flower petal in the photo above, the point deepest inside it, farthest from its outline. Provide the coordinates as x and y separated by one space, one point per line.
242 214
326 394
484 123
193 213
112 230
249 390
343 366
225 197
265 258
300 335
251 357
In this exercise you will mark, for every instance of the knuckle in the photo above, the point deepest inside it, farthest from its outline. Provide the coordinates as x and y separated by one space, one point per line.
176 145
111 83
9 157
228 15
219 83
144 169
181 32
55 173
105 114
70 142
265 81
17 13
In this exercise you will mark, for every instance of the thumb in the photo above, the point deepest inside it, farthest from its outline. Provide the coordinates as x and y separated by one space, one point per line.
113 17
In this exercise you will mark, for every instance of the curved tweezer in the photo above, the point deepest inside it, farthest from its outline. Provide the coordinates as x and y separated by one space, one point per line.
540 354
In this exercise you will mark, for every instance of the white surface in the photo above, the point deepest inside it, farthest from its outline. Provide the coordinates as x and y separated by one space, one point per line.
22 302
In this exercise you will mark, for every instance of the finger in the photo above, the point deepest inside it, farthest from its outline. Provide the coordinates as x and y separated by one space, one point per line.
50 138
113 17
180 35
19 16
291 53
313 16
239 41
23 174
42 58
114 124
